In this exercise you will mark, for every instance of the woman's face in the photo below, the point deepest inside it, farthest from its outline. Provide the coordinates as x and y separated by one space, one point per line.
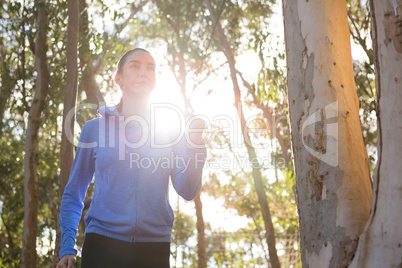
137 76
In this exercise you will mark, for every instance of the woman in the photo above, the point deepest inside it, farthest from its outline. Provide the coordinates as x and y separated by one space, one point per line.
130 219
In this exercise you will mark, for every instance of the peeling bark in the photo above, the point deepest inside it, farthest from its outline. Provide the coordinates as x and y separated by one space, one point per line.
332 178
381 242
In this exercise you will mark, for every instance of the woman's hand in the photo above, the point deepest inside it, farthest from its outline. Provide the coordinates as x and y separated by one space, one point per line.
195 128
67 261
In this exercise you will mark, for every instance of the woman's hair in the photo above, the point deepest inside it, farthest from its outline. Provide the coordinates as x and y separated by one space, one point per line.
123 59
120 66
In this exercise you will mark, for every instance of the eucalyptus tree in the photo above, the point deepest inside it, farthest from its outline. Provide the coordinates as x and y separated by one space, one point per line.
350 236
380 242
222 42
70 99
19 78
236 189
31 192
181 26
18 28
99 47
332 177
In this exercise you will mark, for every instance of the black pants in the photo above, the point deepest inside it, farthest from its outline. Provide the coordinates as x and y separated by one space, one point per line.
100 251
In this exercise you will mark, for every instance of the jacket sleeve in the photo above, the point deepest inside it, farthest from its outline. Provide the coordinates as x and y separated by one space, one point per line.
74 194
186 173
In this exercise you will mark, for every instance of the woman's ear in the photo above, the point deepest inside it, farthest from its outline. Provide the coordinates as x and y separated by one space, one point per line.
117 79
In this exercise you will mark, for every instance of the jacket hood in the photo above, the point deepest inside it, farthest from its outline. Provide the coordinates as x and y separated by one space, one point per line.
106 111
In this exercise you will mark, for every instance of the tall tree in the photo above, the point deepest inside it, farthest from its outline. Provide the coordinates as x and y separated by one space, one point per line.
31 198
224 46
202 244
92 65
272 122
181 23
88 81
70 99
332 178
380 243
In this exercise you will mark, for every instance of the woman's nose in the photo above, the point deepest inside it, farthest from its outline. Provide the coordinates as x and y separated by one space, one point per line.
142 70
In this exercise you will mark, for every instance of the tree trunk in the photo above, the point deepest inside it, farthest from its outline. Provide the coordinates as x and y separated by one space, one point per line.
332 177
70 99
7 87
256 170
380 243
31 195
89 70
202 245
88 82
181 79
273 124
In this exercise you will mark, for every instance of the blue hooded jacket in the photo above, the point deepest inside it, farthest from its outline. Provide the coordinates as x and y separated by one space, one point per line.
131 199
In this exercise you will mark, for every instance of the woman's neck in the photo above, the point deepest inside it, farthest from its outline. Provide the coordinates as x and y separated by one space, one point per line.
135 106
